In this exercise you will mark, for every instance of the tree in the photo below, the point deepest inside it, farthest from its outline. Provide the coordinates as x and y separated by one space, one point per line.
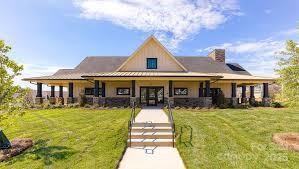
11 96
289 73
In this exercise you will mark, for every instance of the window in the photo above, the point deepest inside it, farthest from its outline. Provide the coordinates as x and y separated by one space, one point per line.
180 91
123 91
90 91
151 63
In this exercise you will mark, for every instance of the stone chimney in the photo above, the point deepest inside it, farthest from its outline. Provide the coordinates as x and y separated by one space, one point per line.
218 55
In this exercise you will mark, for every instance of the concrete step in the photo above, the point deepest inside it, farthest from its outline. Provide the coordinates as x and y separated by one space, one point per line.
151 129
151 135
150 142
151 125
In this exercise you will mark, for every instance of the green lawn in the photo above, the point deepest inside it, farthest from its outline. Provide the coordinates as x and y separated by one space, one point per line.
69 138
235 138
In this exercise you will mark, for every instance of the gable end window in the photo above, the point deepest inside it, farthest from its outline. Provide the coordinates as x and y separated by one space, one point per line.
151 63
123 91
180 91
90 91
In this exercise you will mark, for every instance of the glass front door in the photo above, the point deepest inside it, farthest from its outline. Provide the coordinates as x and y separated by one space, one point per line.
151 96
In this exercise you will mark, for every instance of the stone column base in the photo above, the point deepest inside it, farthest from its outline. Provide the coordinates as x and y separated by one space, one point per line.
39 100
244 100
205 102
234 101
133 99
102 101
252 101
266 102
70 100
52 100
60 100
170 101
96 101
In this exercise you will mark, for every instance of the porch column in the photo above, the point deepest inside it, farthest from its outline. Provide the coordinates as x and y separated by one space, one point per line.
266 99
96 93
243 100
103 89
96 88
39 95
133 94
102 99
170 88
70 99
252 98
205 101
207 92
200 92
60 98
133 88
234 100
170 94
52 96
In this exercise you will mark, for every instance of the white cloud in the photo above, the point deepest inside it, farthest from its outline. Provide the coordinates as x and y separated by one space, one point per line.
266 47
257 56
173 21
289 32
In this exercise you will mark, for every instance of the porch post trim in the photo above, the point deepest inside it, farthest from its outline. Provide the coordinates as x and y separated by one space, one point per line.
52 91
71 89
234 88
243 91
133 88
251 91
103 89
265 90
96 88
39 90
60 91
207 93
200 92
170 88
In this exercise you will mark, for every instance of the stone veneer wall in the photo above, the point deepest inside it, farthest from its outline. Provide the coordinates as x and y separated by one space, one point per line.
117 101
193 102
89 100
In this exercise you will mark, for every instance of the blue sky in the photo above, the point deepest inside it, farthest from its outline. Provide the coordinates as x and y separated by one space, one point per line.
51 34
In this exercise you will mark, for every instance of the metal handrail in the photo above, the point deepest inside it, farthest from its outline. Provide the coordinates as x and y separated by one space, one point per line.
131 121
171 120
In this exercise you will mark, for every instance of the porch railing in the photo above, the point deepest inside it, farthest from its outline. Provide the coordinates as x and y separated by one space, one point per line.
131 121
171 121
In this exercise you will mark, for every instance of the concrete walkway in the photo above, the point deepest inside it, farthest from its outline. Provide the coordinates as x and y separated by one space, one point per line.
152 157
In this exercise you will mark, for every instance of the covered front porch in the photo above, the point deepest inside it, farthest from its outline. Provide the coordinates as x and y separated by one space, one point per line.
152 91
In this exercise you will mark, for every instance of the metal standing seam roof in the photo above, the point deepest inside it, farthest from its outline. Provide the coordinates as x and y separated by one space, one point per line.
151 74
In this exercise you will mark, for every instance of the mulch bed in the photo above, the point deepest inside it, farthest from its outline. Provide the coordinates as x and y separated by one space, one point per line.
287 140
17 147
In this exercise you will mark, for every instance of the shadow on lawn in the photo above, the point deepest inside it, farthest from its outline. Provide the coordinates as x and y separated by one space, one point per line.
186 135
48 154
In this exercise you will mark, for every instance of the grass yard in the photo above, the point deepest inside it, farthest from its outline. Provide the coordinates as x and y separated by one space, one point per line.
69 138
235 138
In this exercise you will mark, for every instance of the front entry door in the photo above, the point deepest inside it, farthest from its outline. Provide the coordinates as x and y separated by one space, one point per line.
152 98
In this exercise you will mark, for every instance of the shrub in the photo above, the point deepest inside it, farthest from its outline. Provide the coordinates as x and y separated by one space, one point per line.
223 106
220 99
87 106
276 105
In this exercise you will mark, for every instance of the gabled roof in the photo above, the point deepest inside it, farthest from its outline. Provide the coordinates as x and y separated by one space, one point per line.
143 45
